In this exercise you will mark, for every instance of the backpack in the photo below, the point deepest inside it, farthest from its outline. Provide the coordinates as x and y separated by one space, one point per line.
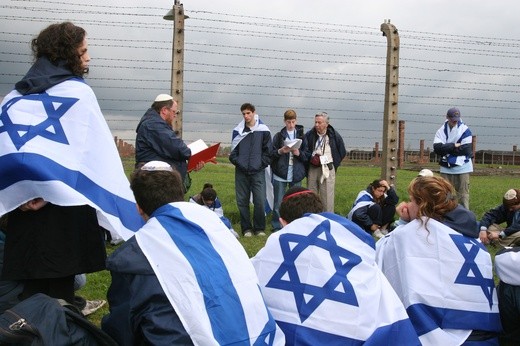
42 320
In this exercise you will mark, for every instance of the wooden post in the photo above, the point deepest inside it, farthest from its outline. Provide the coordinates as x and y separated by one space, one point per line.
389 162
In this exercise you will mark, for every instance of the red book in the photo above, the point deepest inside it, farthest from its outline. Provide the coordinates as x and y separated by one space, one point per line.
200 152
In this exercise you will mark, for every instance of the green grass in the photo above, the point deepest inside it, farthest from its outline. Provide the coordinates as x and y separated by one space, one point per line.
486 192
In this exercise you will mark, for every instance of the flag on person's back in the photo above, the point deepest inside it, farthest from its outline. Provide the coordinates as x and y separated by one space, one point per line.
443 278
207 277
56 145
319 278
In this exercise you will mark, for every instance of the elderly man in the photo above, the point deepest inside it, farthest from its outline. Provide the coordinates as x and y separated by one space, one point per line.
156 139
327 151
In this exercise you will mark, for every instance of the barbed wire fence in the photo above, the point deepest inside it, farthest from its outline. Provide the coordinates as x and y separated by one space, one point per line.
277 64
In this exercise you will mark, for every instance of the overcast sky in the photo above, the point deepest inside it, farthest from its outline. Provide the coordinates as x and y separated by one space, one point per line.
306 55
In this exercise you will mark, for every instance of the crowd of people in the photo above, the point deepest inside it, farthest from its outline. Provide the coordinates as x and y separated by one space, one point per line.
181 277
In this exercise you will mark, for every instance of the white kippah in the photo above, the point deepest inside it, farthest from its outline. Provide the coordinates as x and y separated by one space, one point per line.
425 173
163 97
510 194
157 166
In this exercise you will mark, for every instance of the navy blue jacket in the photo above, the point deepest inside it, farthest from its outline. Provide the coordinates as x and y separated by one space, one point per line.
337 147
499 215
253 153
156 140
280 162
140 312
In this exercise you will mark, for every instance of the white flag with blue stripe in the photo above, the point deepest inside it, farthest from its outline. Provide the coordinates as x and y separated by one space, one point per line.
57 145
207 277
320 280
444 279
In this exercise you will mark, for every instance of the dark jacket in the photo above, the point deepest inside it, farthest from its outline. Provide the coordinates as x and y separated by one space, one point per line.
140 312
42 75
462 220
280 162
337 146
156 141
253 153
53 242
499 215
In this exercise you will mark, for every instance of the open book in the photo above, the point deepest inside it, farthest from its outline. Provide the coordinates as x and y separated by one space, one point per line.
200 152
293 143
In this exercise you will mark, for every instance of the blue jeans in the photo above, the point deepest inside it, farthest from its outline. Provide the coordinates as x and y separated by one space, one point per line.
279 189
245 185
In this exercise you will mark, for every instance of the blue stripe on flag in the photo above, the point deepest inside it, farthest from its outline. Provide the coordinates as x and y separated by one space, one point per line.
49 170
220 296
426 318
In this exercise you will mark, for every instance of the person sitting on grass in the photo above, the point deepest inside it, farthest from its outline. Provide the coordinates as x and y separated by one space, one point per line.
319 278
509 213
374 208
183 278
209 199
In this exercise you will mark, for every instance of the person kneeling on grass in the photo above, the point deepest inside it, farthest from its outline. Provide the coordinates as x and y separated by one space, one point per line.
174 281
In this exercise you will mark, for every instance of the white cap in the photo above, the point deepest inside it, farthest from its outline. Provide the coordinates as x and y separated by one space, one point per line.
163 97
425 173
157 166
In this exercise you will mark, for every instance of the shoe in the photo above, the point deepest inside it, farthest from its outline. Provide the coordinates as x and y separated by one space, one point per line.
378 234
117 241
248 234
260 233
92 306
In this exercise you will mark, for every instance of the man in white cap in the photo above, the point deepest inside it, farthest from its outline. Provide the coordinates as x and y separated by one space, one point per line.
508 212
156 139
453 143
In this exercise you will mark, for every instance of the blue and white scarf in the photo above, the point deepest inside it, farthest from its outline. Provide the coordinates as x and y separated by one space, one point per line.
443 278
57 145
207 277
320 280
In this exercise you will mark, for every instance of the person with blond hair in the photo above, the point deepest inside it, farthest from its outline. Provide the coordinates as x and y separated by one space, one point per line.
439 269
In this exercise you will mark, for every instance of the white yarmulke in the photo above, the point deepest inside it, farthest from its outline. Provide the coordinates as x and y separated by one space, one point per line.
157 166
425 173
510 194
163 97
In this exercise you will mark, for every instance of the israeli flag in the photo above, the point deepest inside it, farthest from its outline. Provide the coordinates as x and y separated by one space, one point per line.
507 262
57 145
207 277
443 278
320 280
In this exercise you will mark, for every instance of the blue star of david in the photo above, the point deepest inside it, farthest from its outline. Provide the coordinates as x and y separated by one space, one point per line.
55 107
337 288
469 272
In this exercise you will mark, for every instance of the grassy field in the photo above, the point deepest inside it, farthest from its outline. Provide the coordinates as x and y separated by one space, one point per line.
487 187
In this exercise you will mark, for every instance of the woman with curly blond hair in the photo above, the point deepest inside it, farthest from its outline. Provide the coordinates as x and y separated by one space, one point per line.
439 269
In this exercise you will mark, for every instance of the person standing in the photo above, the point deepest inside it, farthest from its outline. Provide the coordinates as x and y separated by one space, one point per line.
156 140
251 154
63 178
453 142
327 151
288 164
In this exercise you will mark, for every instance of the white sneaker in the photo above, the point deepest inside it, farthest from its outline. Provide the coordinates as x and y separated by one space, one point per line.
92 306
248 234
378 234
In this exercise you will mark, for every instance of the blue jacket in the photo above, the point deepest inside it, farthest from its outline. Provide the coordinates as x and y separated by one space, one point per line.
253 153
140 312
280 162
156 140
499 215
337 146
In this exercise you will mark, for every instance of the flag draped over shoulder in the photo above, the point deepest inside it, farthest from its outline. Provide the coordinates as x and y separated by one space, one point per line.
207 277
459 134
444 279
507 262
56 145
319 278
